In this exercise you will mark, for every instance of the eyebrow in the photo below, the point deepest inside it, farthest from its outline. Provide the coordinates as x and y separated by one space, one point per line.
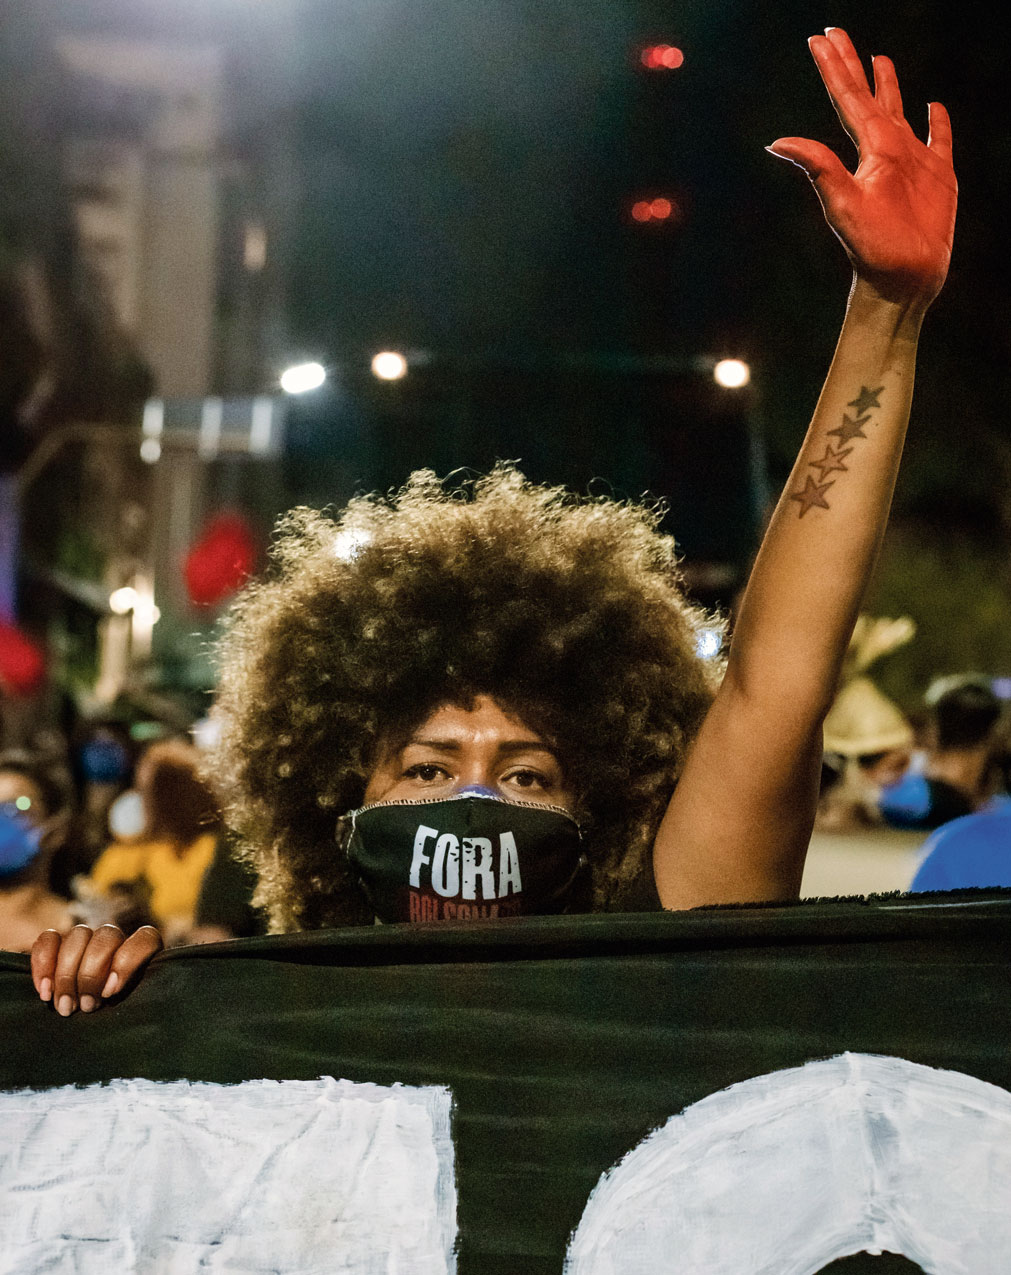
507 746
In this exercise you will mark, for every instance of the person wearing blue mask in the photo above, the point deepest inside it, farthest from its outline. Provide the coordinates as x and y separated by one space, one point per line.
32 822
479 703
958 775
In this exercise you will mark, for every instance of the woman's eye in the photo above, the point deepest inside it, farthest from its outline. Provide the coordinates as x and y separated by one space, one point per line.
528 779
427 772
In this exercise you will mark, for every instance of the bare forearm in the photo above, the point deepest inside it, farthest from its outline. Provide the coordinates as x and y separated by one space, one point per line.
745 837
739 821
811 572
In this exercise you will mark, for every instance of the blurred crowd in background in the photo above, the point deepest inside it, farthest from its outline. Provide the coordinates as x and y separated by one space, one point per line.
943 771
101 828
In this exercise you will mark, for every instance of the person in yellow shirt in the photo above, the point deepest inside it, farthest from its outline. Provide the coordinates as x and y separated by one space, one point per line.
175 843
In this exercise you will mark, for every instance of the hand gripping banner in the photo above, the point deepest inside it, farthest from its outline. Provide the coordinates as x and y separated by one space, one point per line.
756 1091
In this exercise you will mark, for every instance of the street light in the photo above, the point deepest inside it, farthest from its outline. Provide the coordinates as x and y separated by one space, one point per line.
732 374
302 377
388 365
122 601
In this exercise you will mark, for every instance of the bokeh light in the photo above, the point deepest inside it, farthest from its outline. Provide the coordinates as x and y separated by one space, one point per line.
349 542
388 365
732 374
302 377
708 643
661 57
660 208
122 601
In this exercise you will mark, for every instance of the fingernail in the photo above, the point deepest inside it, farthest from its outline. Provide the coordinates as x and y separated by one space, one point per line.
828 30
88 1003
46 989
111 985
65 1006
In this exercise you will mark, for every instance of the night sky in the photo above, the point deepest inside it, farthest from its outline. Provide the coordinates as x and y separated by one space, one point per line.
468 170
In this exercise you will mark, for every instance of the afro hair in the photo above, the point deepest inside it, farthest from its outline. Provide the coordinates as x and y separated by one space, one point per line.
567 611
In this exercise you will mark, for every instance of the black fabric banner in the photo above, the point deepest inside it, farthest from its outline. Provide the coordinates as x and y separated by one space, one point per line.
564 1041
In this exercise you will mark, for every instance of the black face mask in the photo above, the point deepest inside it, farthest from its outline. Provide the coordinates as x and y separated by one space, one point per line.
463 858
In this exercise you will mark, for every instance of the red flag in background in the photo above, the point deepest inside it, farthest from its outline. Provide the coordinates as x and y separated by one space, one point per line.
22 662
220 560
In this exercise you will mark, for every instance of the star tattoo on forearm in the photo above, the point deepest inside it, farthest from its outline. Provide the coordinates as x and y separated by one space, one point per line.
813 494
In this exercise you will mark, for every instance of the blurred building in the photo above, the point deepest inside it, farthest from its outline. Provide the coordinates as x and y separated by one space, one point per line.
144 164
176 210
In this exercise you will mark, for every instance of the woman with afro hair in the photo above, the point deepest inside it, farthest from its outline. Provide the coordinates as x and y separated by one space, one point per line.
477 702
